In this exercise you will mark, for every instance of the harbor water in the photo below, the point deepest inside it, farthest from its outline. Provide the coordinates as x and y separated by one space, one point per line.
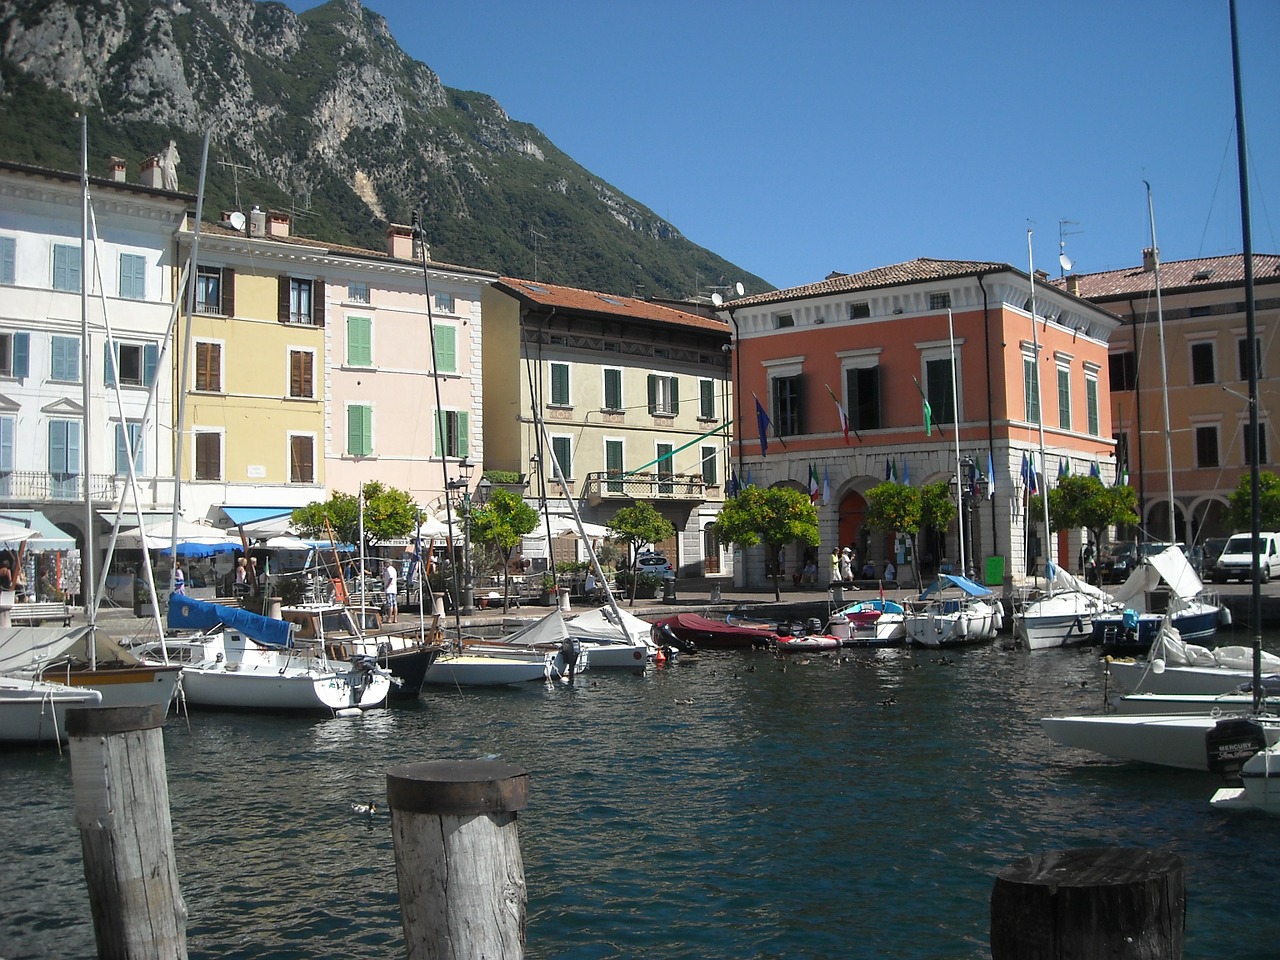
722 806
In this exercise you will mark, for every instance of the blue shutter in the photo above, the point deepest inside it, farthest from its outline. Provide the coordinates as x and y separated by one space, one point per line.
122 453
73 447
57 446
150 360
21 354
6 444
8 260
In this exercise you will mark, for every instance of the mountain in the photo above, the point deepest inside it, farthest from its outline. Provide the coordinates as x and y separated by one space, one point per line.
321 114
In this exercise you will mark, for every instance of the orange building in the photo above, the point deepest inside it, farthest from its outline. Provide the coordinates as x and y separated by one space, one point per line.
874 346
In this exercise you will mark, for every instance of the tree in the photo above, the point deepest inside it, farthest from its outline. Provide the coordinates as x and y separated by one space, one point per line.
636 526
1241 502
501 523
899 508
388 515
1085 501
775 516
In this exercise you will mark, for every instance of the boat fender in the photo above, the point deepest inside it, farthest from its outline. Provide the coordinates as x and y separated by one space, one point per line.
1224 616
660 656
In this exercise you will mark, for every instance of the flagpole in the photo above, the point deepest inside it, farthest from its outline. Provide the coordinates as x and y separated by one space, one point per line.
1035 342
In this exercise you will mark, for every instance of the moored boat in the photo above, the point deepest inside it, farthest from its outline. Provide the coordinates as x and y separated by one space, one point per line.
35 711
706 634
954 611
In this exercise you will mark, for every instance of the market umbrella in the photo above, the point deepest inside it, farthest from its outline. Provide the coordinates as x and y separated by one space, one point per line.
193 539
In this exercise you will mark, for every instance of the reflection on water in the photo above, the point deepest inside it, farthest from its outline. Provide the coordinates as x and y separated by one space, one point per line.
719 808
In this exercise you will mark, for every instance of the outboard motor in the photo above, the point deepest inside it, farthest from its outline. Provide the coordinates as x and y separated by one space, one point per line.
813 626
664 636
570 650
1230 743
783 630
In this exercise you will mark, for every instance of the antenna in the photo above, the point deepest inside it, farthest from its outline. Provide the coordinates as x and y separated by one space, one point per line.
536 237
740 288
236 220
716 299
235 177
1063 260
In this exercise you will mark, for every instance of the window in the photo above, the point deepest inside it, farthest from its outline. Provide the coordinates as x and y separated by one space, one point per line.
208 455
134 362
706 399
15 352
938 389
302 458
664 468
559 384
301 301
785 320
453 441
664 396
358 292
1206 446
359 430
301 375
562 450
444 302
1124 370
133 276
788 412
613 465
215 291
710 474
359 342
1202 365
862 387
446 348
612 388
130 433
64 459
64 359
8 260
1064 398
1243 350
209 367
66 268
1091 403
859 310
939 301
1262 445
1030 390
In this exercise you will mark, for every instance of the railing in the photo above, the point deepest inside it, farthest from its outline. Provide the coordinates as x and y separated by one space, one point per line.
646 486
24 485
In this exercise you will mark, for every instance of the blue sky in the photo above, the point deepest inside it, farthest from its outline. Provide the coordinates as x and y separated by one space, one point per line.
796 139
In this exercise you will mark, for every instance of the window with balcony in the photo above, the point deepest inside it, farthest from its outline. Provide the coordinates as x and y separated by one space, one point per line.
359 342
215 291
66 268
302 374
1207 446
302 458
208 451
134 364
613 466
444 302
133 276
301 301
359 430
665 470
710 467
64 359
451 433
357 292
64 459
128 437
1203 368
8 432
208 367
612 388
788 405
15 354
664 395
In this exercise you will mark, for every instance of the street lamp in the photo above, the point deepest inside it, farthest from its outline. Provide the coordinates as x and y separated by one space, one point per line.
465 469
972 488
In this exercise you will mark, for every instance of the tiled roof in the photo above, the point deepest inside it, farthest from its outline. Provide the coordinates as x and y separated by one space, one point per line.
570 299
912 271
1179 275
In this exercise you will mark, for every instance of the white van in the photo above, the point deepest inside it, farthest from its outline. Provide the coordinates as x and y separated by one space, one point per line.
1236 562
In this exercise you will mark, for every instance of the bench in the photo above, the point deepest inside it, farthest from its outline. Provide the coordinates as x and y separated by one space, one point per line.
36 613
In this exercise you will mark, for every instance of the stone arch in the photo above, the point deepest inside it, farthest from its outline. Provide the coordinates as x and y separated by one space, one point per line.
1156 523
1210 517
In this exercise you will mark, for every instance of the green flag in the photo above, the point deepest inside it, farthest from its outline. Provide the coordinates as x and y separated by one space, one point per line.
928 417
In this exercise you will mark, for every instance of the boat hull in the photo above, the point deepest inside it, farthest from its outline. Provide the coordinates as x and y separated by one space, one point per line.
1195 625
145 685
1168 740
251 687
475 670
1138 676
35 711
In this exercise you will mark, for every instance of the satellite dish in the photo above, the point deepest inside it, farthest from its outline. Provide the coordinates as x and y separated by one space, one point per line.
236 220
717 299
1065 261
740 288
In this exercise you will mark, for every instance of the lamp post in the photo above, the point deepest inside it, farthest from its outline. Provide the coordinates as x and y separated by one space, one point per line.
972 487
465 469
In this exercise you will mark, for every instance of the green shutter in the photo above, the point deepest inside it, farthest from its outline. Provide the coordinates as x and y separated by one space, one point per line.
446 349
359 430
560 384
463 433
675 396
360 341
653 393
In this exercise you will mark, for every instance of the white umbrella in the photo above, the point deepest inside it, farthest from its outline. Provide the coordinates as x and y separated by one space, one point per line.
13 533
433 527
565 527
158 535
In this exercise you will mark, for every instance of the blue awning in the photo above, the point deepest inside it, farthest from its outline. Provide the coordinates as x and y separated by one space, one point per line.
955 580
48 536
242 515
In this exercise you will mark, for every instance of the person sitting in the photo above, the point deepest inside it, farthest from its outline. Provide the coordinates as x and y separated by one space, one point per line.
591 587
868 571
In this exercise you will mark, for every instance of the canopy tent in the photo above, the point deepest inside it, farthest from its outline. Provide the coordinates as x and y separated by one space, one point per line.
260 522
45 535
565 527
11 533
433 527
193 539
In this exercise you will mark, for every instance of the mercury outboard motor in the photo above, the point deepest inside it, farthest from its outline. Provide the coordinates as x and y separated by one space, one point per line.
570 650
813 626
664 636
1230 743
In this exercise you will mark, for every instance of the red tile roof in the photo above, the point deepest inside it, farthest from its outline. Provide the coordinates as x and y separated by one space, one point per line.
912 271
570 299
1177 276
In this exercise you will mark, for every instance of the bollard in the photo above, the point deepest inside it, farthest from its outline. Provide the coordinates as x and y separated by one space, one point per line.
458 864
437 604
564 600
122 811
668 591
837 594
1114 902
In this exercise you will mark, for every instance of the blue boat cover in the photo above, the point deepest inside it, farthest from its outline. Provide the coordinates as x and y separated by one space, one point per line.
960 583
187 613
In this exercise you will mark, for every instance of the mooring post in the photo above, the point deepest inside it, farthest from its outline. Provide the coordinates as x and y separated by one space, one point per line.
1123 903
122 812
458 864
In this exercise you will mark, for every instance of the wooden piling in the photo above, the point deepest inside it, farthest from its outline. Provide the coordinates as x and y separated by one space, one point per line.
458 864
122 812
1123 903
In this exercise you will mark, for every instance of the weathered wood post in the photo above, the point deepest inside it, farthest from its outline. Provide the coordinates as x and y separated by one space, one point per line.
1123 903
458 864
122 811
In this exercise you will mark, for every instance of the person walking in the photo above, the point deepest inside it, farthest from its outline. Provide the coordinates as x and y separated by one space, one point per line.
393 591
179 580
835 565
846 565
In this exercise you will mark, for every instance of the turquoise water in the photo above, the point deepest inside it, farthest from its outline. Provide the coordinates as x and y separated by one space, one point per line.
720 808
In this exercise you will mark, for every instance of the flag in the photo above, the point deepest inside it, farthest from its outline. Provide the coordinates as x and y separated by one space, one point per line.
735 488
844 418
762 424
826 487
1094 471
906 477
890 472
1063 470
991 477
815 494
1033 482
1025 473
928 417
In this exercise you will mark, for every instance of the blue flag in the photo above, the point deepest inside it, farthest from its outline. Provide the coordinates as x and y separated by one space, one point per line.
1094 471
906 476
734 487
762 424
991 477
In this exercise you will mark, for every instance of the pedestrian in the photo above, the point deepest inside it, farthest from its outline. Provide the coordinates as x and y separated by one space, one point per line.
835 565
811 571
590 586
846 565
179 580
393 591
241 587
890 572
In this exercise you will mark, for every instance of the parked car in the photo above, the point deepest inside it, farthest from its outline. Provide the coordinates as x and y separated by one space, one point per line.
655 563
1236 561
1119 562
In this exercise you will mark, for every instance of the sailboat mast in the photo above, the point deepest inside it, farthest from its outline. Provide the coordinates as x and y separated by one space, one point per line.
1164 373
86 557
1044 464
955 407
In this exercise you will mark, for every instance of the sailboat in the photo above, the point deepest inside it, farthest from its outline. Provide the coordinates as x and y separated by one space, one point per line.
1213 738
35 711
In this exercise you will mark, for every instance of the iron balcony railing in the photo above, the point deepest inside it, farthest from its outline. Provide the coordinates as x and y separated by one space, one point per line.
648 486
26 485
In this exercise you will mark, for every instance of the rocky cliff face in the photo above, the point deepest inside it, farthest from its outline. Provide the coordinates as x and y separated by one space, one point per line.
323 114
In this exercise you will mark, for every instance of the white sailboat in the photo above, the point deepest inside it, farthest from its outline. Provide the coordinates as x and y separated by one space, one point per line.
35 711
1192 611
952 611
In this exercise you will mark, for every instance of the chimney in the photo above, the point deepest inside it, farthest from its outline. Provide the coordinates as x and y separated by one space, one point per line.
257 222
116 169
1041 276
150 176
277 224
1150 257
400 241
1073 285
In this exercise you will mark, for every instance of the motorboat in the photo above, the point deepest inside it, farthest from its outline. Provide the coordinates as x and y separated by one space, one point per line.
1259 787
1061 615
807 643
1162 586
689 630
870 623
952 611
35 711
1167 739
246 661
1175 667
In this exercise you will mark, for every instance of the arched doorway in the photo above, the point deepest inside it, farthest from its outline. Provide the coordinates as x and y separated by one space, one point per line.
851 520
1210 518
1158 522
